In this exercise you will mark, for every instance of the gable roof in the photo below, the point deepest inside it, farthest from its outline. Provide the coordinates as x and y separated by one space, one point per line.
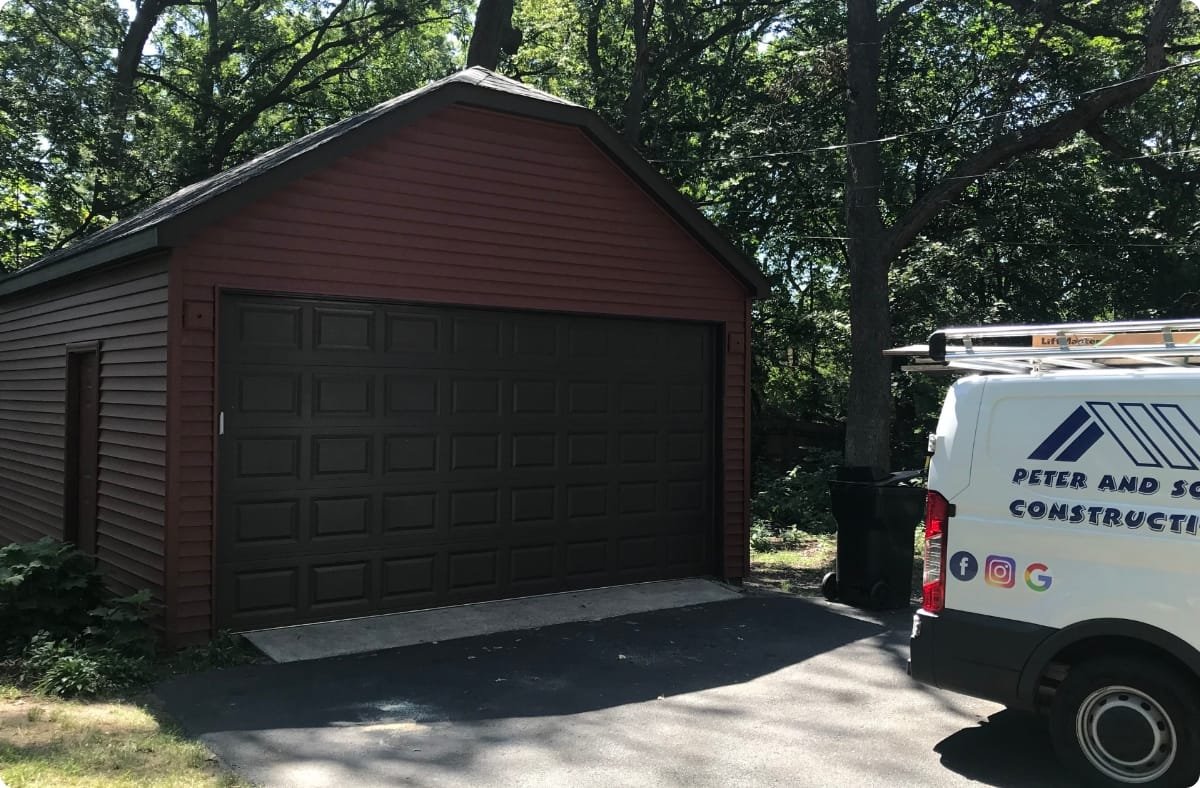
170 221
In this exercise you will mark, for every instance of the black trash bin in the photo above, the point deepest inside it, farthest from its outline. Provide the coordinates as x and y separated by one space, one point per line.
877 521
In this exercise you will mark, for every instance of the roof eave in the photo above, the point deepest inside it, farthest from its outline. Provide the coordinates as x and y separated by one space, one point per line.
135 243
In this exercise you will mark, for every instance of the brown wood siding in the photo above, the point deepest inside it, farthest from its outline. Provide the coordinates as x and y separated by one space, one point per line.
124 309
464 207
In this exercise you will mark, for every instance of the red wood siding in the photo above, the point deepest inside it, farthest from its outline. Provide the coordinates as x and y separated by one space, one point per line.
125 310
463 207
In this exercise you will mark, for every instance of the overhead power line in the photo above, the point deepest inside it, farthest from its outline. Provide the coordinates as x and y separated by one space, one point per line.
1164 153
1049 244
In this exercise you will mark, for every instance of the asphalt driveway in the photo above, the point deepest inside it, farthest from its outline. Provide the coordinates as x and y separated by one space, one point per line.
754 691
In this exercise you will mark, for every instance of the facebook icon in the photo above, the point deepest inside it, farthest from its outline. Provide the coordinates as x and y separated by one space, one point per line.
963 566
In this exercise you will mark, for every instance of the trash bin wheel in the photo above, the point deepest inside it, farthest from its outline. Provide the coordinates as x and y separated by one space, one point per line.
880 594
829 588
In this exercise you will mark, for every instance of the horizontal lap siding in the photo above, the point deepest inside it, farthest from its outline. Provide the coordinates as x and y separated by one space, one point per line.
463 207
125 310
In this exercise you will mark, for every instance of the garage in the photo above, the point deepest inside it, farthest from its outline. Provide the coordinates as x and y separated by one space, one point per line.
380 457
465 345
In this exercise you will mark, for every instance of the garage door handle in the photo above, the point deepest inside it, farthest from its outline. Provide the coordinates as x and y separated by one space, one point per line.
221 423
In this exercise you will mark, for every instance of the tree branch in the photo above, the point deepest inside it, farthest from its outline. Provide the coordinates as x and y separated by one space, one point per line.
1040 137
1147 164
743 20
85 226
1014 82
287 86
50 28
1050 12
893 15
267 58
159 79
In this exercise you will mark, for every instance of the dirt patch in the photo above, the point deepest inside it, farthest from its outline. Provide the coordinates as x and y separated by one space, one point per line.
805 582
801 571
797 570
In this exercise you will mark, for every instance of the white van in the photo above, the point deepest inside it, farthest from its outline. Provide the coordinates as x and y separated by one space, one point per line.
1062 543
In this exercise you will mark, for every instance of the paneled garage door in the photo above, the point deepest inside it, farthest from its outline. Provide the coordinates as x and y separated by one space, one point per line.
380 457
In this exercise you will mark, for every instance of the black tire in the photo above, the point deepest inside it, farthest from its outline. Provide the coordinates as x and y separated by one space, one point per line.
1111 713
829 587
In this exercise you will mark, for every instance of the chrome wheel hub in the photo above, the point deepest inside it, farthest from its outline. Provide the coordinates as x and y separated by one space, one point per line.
1126 735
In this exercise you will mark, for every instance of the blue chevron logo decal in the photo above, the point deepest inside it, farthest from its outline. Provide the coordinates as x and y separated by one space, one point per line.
1151 436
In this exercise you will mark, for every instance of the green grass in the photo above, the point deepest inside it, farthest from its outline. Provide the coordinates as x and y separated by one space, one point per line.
817 554
102 744
800 569
797 570
109 742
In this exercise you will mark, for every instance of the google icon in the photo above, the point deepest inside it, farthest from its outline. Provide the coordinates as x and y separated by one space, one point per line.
1036 577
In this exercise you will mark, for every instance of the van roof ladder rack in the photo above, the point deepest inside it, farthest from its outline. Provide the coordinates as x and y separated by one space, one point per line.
1024 349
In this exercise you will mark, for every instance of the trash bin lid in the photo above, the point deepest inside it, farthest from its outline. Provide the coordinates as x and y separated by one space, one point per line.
869 474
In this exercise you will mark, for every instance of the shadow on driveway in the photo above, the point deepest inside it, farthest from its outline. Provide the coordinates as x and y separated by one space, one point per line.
558 670
1008 750
754 691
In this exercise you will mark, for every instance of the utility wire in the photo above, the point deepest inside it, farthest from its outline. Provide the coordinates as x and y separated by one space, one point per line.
1164 153
1050 244
932 129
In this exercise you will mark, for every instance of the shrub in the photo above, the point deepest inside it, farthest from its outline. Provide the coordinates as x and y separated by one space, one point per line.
120 624
45 586
70 668
798 498
64 634
793 538
225 650
761 540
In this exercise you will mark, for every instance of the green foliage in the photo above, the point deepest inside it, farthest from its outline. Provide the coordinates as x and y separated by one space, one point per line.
743 108
53 85
792 538
45 586
120 625
64 633
85 140
762 538
797 502
71 668
226 650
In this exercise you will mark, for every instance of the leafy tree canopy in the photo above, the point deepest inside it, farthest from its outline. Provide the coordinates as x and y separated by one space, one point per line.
757 109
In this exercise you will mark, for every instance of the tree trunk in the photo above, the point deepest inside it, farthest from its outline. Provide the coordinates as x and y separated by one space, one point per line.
873 247
643 18
193 165
869 405
111 159
493 34
129 57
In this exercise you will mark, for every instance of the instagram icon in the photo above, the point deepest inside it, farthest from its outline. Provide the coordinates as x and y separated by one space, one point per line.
1000 571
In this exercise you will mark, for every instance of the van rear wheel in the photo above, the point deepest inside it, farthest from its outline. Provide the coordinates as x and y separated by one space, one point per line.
1128 722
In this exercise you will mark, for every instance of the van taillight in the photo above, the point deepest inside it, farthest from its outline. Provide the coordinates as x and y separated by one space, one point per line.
933 585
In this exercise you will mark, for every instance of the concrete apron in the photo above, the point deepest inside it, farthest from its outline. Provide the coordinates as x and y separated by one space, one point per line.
393 630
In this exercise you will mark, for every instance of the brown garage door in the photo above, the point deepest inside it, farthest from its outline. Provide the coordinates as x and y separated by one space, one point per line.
381 457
